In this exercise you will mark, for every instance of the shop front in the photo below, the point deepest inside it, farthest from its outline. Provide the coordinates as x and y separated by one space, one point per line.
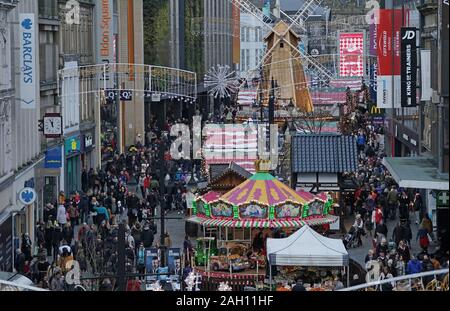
72 171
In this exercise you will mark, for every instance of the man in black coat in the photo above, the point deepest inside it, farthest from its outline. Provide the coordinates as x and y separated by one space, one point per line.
19 262
382 229
147 236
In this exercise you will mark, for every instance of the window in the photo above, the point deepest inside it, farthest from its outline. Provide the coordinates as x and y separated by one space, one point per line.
247 61
247 34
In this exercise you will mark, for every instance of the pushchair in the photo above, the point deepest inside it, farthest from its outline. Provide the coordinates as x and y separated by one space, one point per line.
351 239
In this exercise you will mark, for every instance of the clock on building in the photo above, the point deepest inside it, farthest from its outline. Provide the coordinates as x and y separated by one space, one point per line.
52 124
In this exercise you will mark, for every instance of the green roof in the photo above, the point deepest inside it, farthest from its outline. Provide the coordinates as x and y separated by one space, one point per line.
262 176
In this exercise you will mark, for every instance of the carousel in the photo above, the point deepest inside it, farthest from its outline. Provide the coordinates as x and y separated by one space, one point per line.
236 224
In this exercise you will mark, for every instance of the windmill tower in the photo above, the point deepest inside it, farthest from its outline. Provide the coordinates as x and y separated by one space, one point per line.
282 66
283 54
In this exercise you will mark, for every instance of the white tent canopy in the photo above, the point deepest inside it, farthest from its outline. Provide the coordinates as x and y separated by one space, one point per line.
306 247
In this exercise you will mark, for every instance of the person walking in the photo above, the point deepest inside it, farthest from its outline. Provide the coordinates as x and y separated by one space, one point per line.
392 199
57 237
61 216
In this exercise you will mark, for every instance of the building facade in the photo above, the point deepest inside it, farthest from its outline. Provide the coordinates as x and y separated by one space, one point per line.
19 114
419 135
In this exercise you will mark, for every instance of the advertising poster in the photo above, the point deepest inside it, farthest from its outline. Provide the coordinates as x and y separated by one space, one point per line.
174 260
351 54
152 259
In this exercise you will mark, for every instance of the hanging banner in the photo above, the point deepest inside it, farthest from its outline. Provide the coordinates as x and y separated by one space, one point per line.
27 61
443 81
408 67
104 36
425 75
388 55
236 20
384 92
351 54
373 28
373 74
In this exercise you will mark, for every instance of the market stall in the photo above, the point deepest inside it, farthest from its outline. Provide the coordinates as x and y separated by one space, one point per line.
307 248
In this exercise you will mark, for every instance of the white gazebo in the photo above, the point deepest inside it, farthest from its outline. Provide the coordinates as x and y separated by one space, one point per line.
308 248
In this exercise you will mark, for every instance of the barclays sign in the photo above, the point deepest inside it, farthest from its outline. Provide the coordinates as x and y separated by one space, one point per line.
27 61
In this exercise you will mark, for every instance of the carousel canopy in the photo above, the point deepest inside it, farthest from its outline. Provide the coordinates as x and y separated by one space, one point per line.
263 188
307 248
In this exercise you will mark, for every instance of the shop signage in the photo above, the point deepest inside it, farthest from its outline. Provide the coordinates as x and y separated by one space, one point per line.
104 35
409 67
126 95
27 61
72 145
27 196
53 158
88 142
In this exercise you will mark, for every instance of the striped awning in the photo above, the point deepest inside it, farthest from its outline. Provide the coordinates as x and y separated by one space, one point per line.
262 223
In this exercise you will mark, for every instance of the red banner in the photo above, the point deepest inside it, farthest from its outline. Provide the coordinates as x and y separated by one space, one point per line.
351 54
388 65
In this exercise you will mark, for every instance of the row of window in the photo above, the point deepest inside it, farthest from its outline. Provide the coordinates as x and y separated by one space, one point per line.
251 34
250 60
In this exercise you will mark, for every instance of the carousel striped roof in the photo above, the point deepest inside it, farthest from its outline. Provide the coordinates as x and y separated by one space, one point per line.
307 196
262 223
263 188
210 196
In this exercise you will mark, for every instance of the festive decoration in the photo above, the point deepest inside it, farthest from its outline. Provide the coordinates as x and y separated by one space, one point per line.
194 208
207 210
305 211
235 212
221 81
326 208
271 212
224 287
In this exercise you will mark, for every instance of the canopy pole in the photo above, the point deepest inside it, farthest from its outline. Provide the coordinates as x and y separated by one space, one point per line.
270 274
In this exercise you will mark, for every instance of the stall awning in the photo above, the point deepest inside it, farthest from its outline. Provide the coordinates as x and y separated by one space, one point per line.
263 223
306 247
419 172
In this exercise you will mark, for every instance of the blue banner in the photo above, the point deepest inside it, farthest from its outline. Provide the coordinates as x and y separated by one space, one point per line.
53 158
